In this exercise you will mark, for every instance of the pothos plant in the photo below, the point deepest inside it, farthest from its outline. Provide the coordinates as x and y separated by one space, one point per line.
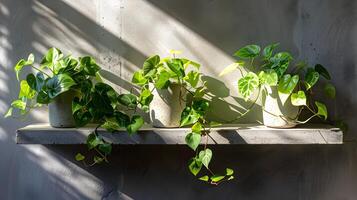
94 101
260 68
161 72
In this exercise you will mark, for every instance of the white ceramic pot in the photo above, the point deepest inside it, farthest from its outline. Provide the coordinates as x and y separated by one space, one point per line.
60 111
278 112
167 105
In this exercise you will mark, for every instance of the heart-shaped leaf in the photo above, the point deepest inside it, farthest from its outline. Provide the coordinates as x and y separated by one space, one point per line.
195 166
193 139
269 78
128 100
249 51
311 78
135 124
58 84
139 78
189 116
321 109
298 99
229 171
150 65
322 71
162 81
268 50
205 157
192 78
248 84
79 157
288 83
217 178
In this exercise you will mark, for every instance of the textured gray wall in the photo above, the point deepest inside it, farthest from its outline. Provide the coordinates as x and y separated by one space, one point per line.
121 33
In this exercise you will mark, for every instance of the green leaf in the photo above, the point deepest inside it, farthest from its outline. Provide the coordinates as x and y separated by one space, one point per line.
22 63
298 99
162 80
195 166
128 100
217 178
89 65
176 65
150 65
230 178
26 91
248 84
79 157
229 171
311 78
268 50
139 78
322 71
201 106
43 98
249 51
97 159
204 178
58 84
197 127
135 124
205 157
9 112
321 109
105 148
192 78
82 117
19 104
193 139
51 58
123 119
279 63
36 82
145 98
111 124
187 63
330 90
288 83
270 77
93 141
189 116
230 68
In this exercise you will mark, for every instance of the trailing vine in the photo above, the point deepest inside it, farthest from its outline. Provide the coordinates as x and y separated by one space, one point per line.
174 70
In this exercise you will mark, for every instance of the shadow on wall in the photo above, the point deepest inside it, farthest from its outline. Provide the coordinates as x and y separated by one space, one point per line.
223 111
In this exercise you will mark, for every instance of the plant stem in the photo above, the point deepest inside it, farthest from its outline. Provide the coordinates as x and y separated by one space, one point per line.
40 70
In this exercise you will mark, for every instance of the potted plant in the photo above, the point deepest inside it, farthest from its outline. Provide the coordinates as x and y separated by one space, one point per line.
74 91
164 85
172 90
285 92
54 84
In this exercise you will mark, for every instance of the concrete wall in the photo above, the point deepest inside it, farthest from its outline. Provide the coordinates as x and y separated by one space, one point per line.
121 34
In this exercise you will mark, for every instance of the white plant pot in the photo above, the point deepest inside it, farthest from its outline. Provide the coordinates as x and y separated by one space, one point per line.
278 112
60 111
167 105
